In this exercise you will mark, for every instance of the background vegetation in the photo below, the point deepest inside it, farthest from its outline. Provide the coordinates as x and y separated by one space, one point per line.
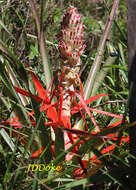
19 45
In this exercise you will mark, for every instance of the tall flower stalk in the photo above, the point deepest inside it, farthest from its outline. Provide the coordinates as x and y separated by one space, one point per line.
71 47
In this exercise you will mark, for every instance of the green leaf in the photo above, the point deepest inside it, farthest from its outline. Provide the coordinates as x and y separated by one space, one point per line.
59 143
73 184
5 28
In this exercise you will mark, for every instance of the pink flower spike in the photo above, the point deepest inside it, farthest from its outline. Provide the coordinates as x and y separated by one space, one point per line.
83 27
77 42
63 32
77 21
65 47
78 28
84 46
71 34
83 41
82 35
69 54
76 38
69 9
61 43
79 16
75 10
79 53
81 48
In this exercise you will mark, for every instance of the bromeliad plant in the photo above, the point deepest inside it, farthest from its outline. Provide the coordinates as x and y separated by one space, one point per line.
55 134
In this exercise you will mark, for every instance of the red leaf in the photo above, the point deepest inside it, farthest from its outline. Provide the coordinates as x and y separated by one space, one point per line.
60 106
51 113
79 172
81 87
53 80
87 110
88 101
41 91
65 120
106 113
37 153
77 107
25 93
111 147
113 125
